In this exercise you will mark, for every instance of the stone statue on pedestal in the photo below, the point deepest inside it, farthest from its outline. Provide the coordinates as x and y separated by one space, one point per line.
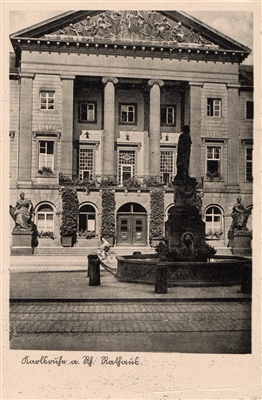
240 216
22 213
239 235
183 154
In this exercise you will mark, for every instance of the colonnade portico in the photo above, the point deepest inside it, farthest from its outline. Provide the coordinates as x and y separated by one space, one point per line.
110 115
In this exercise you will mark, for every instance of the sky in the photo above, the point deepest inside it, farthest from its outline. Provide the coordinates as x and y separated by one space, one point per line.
238 25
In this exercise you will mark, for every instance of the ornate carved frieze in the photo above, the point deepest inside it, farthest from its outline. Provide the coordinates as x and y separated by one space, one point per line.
132 25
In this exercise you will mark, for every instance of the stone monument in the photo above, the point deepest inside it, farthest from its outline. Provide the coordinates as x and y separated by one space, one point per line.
185 227
24 230
239 235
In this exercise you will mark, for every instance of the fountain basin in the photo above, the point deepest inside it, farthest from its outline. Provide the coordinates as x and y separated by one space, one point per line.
221 271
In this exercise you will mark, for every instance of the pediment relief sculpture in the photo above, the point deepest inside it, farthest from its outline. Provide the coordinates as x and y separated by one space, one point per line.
133 25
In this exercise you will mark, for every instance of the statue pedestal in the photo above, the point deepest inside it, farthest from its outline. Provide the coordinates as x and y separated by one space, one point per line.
242 243
185 218
21 242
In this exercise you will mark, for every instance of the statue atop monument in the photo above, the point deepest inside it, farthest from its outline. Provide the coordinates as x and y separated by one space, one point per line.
240 216
183 154
22 213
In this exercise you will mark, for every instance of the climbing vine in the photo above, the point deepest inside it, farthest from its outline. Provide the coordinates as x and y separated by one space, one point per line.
108 224
70 212
156 226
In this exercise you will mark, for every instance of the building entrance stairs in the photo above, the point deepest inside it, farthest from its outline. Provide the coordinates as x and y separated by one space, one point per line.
83 251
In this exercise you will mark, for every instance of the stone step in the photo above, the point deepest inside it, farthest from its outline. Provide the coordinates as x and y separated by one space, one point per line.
223 251
83 251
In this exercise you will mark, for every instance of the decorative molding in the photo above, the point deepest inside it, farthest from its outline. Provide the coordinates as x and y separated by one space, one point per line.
129 144
247 142
94 143
107 79
159 82
67 77
27 75
233 86
200 84
214 141
46 134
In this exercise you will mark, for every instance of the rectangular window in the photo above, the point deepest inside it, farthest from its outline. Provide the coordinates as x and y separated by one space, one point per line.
166 166
86 164
249 164
87 112
126 165
214 107
47 100
249 110
127 114
168 115
46 154
213 161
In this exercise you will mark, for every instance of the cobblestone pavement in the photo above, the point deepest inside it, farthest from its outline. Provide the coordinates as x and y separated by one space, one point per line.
122 317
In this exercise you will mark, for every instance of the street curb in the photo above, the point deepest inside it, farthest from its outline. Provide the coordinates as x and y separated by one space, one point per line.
134 300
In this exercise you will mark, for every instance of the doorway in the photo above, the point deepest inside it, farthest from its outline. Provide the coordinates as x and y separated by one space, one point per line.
132 225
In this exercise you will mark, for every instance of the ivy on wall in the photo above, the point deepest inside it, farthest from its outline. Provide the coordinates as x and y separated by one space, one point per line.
70 206
108 224
156 226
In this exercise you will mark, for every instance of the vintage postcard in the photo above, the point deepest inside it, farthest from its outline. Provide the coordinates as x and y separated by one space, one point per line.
131 144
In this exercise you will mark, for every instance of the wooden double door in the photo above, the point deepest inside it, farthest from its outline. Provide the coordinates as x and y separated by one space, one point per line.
132 229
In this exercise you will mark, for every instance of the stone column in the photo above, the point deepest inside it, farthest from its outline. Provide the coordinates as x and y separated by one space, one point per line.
67 125
154 127
233 138
109 125
195 128
25 142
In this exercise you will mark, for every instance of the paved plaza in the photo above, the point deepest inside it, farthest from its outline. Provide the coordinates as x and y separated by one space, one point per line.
52 307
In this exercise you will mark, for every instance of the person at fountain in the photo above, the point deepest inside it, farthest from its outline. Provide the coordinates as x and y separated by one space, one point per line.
104 249
183 153
22 213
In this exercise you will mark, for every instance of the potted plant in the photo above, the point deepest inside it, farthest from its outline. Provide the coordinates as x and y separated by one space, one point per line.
156 225
108 224
68 227
45 171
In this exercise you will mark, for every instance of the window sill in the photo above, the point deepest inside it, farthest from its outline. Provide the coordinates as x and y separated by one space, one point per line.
45 176
49 111
87 122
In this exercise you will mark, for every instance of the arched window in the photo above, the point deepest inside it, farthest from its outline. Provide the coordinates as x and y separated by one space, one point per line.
45 218
87 218
214 221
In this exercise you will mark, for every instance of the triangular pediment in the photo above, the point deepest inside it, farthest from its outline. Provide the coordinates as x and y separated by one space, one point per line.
174 28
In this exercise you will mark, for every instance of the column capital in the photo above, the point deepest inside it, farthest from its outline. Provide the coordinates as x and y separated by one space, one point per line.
110 79
159 82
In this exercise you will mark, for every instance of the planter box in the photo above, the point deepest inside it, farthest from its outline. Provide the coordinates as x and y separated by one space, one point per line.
66 241
155 242
83 242
46 242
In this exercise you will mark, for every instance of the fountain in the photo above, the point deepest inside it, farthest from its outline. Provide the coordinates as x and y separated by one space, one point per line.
188 260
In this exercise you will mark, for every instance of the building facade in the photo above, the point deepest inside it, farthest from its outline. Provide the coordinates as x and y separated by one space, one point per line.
98 100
